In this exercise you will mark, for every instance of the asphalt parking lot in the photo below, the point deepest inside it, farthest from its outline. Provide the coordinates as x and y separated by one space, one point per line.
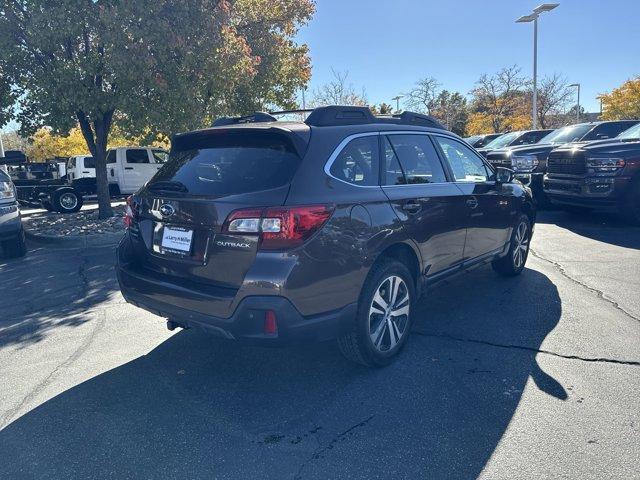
532 377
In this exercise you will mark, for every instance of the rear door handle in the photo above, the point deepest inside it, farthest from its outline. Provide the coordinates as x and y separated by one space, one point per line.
472 203
128 168
411 207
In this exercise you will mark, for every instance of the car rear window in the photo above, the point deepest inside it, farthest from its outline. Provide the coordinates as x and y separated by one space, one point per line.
89 162
230 163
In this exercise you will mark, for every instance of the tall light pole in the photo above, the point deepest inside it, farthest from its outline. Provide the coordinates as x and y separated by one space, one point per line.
578 102
533 17
397 99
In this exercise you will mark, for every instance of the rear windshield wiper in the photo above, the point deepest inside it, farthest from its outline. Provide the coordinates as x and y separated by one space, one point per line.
168 186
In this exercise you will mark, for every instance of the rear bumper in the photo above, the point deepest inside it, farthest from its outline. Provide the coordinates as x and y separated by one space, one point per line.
186 307
10 221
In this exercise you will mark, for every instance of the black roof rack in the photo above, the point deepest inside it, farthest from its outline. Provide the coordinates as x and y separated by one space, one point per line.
255 117
335 115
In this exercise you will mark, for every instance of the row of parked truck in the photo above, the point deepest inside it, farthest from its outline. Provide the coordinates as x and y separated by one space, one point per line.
578 167
62 185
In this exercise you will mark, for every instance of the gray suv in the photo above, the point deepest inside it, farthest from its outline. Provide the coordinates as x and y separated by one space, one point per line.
282 232
11 232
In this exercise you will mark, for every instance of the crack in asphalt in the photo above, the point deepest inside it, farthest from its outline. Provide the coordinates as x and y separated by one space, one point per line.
328 446
602 295
7 417
529 349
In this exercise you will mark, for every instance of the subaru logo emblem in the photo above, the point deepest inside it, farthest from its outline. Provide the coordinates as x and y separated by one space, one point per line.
166 210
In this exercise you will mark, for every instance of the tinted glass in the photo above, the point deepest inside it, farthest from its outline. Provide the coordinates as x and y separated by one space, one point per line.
160 156
529 138
572 133
631 133
4 177
393 174
418 158
503 140
358 162
466 165
230 164
137 156
111 156
607 130
89 162
473 139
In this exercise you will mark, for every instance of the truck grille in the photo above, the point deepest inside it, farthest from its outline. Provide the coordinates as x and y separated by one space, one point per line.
499 160
566 163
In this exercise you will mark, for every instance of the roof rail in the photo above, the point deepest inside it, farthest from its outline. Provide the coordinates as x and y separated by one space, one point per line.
412 118
340 115
255 117
335 115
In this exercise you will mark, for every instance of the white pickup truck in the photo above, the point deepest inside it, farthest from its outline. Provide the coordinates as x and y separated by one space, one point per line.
81 173
129 168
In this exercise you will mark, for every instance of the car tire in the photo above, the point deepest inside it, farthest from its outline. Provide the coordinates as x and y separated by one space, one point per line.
383 320
66 201
17 247
514 261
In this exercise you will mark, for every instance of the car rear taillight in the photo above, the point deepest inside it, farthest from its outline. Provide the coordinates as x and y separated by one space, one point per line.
129 212
279 228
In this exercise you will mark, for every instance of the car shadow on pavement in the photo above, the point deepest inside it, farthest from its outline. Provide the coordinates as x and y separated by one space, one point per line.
41 291
600 226
198 407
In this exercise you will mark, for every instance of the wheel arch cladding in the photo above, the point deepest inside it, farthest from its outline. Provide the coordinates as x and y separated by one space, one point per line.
404 254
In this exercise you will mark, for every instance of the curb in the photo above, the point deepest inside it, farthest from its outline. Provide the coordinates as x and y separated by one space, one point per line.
102 240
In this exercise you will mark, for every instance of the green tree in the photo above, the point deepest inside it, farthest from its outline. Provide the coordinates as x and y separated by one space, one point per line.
499 101
147 66
622 102
451 109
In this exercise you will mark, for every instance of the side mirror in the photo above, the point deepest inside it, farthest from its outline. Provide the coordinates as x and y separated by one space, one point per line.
504 175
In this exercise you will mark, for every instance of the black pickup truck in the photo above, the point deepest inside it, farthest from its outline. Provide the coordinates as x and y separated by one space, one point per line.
597 175
514 139
42 185
530 161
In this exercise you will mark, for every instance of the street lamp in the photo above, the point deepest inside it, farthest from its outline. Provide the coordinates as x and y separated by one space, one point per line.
397 99
533 17
578 102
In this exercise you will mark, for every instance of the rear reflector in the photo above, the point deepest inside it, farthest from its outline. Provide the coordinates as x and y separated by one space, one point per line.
129 212
279 228
270 323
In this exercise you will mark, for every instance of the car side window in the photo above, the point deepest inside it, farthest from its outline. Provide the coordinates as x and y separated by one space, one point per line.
393 174
418 159
111 156
160 156
465 164
137 156
358 162
607 130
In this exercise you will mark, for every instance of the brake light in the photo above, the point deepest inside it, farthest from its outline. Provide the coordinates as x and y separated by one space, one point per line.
270 323
129 212
279 228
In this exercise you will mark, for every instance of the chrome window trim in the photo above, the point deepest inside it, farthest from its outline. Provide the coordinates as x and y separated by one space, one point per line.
346 140
338 150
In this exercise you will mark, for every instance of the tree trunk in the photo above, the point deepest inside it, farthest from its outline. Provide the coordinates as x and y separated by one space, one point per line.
96 136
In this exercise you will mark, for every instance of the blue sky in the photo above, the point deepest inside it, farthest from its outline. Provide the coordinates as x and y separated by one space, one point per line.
386 45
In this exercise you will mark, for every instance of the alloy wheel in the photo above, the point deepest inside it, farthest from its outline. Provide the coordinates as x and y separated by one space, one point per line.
389 313
521 245
68 201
